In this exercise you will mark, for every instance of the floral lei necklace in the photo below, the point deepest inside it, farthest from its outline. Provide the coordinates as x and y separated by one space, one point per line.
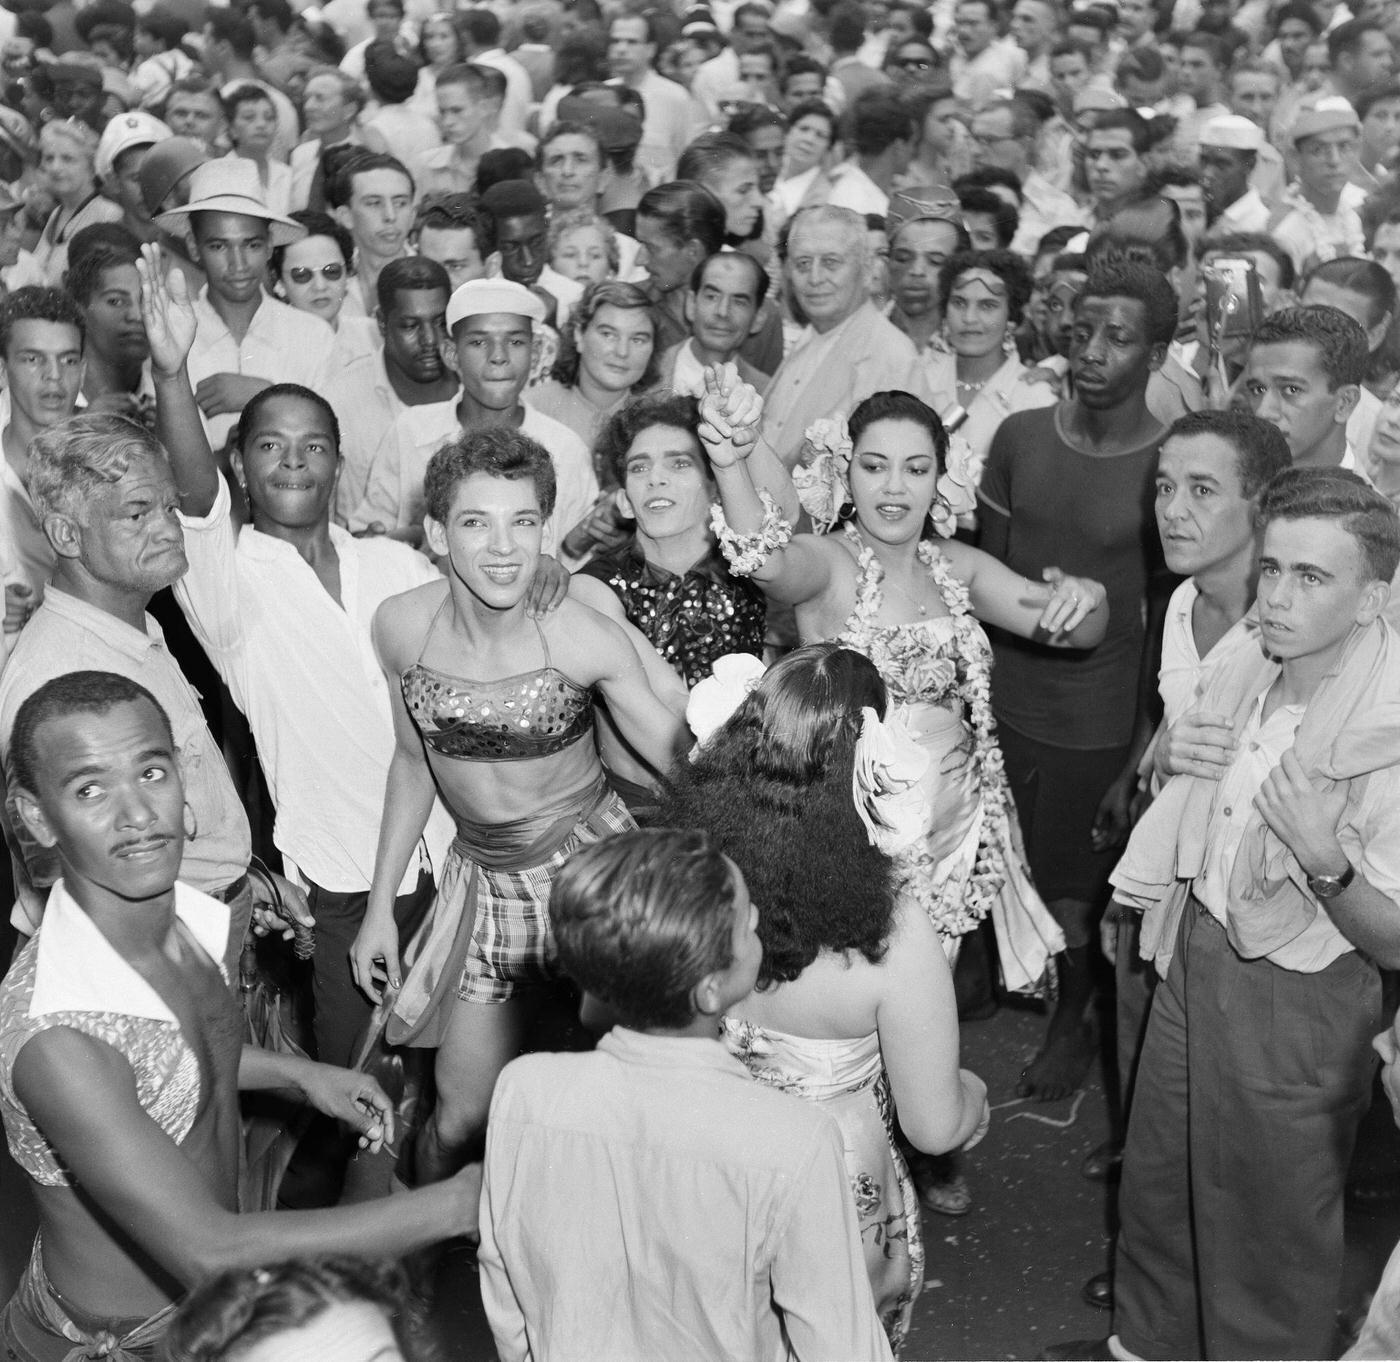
955 908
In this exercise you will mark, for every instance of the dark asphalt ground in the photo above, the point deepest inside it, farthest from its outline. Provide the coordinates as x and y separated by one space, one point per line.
1002 1282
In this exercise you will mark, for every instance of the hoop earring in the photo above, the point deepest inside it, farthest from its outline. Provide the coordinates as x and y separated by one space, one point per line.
191 822
846 512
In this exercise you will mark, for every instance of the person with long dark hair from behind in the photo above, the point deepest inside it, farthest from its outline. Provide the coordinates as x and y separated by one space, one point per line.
854 1006
346 1308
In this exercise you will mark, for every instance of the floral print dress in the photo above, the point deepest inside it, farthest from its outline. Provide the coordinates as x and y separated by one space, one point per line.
971 865
848 1079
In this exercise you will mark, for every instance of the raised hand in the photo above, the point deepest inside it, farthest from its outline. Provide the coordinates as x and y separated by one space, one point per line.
730 412
167 312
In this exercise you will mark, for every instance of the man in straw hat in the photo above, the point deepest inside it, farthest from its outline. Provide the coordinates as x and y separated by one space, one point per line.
1312 223
246 340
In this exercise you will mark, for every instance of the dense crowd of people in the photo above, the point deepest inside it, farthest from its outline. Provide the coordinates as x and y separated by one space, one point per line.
582 582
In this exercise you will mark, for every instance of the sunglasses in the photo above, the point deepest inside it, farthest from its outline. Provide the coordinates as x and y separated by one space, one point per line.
304 274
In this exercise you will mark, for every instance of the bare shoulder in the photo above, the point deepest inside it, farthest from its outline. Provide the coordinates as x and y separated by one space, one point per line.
596 595
401 622
586 643
962 558
61 1065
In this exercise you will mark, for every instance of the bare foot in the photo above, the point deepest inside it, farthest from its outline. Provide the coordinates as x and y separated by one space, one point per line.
1058 1070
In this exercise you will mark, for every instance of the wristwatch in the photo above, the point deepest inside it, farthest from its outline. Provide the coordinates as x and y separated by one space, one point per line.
1329 886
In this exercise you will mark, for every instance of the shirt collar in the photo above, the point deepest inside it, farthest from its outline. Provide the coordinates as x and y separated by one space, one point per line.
671 1052
712 565
117 633
207 311
78 970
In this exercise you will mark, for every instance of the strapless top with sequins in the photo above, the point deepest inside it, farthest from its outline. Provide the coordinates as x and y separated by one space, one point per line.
515 718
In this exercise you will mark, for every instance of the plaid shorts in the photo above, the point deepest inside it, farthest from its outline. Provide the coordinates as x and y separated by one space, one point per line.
512 944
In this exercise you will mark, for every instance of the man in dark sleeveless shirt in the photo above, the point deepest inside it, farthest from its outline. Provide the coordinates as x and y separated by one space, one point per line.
1073 485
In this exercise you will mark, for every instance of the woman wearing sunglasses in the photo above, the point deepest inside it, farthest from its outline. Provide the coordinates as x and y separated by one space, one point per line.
313 275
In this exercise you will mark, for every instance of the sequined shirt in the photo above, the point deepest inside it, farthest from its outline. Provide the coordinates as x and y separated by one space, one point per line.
69 975
690 618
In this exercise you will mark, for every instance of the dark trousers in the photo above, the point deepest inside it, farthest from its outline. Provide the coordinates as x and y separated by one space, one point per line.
341 1009
1250 1087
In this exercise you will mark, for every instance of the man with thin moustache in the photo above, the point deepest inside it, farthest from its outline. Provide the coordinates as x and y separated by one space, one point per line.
725 294
1072 484
408 372
122 1054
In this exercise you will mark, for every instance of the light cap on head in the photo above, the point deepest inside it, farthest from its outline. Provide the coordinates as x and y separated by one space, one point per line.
1326 114
1233 133
479 296
135 129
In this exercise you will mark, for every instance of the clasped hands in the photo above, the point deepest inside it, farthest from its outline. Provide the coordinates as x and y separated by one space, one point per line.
729 415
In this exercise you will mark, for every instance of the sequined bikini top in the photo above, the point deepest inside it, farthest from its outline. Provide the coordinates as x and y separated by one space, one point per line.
516 718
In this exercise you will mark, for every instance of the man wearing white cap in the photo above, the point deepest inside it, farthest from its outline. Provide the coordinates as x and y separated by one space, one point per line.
120 152
246 341
1312 223
1229 151
490 325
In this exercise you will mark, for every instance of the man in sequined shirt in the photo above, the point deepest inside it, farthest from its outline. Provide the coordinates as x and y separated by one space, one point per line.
672 583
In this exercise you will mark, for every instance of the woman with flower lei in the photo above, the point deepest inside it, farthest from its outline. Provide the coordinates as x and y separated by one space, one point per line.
873 579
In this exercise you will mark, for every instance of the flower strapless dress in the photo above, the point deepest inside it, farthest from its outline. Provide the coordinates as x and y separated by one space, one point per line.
972 864
847 1078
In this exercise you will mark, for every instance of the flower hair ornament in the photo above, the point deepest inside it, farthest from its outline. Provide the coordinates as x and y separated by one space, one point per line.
889 764
713 700
957 488
822 478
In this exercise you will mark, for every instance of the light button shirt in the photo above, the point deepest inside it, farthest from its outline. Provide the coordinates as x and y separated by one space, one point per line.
302 667
739 1194
283 345
1262 743
394 496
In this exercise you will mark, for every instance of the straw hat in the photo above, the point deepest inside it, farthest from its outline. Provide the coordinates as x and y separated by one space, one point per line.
230 184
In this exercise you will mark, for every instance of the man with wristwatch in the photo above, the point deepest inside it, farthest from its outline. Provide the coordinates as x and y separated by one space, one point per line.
1269 874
